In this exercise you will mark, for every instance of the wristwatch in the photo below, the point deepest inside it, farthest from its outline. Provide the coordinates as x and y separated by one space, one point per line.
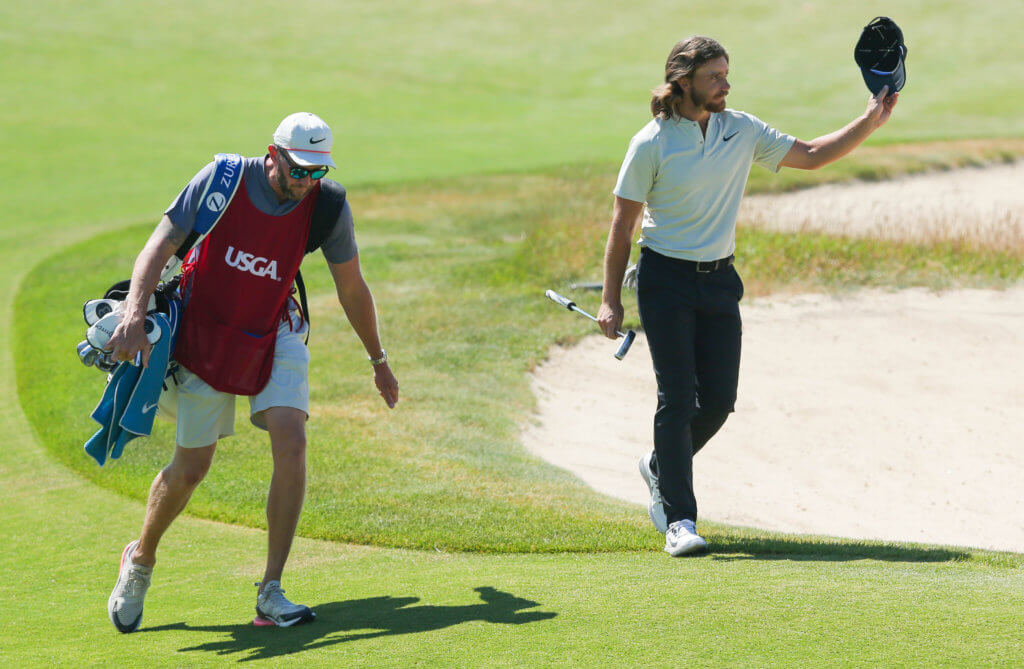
381 360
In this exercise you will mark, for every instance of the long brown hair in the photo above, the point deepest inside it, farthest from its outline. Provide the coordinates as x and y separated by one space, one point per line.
683 61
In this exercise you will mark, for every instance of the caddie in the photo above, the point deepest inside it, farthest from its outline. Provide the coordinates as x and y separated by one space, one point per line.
243 333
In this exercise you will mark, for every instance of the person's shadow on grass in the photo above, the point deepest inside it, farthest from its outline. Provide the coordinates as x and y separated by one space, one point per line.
750 546
362 619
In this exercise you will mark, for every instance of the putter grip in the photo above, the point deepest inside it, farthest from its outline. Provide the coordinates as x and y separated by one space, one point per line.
560 299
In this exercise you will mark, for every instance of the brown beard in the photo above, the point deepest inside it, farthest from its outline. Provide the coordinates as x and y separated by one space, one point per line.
702 102
282 184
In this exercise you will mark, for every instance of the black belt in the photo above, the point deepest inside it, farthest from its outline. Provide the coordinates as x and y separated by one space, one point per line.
702 266
712 265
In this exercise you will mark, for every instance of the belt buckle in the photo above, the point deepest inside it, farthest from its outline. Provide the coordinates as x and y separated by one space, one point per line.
713 266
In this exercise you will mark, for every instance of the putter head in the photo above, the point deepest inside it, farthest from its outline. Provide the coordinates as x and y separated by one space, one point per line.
627 341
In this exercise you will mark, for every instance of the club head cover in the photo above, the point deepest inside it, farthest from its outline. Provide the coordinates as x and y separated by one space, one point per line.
94 310
119 293
100 332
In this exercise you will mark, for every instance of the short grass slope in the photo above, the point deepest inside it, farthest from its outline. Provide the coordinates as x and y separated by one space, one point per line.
459 270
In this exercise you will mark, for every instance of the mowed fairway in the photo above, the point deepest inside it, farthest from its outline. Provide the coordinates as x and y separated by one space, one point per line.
448 545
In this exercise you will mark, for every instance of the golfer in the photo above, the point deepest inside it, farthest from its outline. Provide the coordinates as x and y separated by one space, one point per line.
242 333
689 166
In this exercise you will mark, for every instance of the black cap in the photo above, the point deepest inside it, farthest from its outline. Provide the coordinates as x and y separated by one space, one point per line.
881 54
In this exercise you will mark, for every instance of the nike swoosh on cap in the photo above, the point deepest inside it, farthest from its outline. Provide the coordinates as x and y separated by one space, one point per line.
316 141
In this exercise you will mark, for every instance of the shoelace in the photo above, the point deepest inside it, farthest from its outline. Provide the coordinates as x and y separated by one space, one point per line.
682 528
273 597
137 582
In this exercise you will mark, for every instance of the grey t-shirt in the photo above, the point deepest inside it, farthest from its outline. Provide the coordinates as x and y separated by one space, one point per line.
338 247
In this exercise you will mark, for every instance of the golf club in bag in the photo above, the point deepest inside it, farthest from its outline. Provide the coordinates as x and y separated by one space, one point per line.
627 337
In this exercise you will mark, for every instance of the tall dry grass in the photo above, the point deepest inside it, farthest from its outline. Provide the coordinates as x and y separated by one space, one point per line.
973 207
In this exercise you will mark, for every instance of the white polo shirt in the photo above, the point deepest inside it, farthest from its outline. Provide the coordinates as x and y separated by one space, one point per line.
691 184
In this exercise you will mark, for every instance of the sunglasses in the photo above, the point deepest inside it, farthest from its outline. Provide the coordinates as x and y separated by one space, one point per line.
301 172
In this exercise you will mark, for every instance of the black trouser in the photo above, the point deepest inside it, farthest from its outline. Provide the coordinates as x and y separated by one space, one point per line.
692 322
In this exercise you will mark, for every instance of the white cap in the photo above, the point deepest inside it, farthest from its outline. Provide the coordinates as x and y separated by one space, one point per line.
307 138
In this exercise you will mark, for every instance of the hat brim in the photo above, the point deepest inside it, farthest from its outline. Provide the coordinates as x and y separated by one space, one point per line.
311 158
875 80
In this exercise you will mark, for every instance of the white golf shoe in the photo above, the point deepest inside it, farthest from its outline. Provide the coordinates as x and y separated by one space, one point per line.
682 539
273 607
655 509
125 603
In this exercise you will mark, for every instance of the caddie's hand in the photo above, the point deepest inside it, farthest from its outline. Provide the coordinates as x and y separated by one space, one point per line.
609 318
386 383
129 338
880 106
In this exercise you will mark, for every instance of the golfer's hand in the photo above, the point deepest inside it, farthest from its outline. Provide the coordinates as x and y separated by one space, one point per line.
609 318
129 338
386 383
880 106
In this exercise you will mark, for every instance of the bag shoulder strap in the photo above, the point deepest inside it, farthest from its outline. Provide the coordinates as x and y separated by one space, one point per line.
329 203
214 201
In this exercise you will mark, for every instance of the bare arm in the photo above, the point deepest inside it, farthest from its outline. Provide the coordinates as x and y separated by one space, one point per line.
129 337
357 301
625 217
833 146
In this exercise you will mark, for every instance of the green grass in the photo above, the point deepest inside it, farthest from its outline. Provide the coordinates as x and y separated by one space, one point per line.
845 606
128 102
113 107
464 483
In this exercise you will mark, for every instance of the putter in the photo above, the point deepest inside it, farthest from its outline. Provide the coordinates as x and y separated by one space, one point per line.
627 337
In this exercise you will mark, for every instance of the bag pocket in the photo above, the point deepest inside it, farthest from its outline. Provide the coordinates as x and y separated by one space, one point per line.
229 359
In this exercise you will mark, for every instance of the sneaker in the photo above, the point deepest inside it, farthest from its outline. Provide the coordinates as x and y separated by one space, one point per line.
125 603
273 607
682 539
656 509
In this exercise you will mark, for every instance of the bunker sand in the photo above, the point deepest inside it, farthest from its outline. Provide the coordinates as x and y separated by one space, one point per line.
878 415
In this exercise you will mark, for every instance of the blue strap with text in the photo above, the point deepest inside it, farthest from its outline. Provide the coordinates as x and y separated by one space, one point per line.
227 175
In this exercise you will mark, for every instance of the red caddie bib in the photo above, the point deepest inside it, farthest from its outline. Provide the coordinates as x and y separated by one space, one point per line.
235 288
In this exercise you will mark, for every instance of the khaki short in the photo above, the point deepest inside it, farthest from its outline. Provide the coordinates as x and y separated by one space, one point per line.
205 415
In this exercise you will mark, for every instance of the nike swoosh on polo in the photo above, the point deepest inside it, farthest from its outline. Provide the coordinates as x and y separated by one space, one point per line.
316 141
726 139
146 408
